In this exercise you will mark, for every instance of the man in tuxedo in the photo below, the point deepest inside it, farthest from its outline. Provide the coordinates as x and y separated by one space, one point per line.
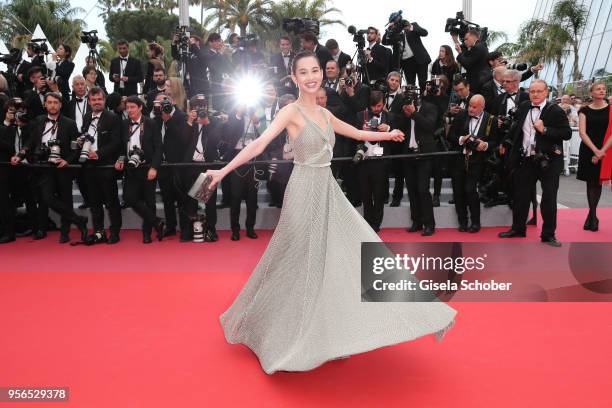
493 87
339 56
393 103
202 147
409 53
22 82
511 98
335 104
35 98
537 154
240 130
105 128
474 133
310 42
54 184
159 78
377 63
282 67
371 173
196 65
139 182
125 71
218 66
472 55
14 180
175 136
419 126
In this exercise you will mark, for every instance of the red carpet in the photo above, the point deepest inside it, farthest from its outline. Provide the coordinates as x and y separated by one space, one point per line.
93 320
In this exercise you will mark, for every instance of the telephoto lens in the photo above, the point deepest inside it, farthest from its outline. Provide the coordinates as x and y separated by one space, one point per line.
87 143
54 151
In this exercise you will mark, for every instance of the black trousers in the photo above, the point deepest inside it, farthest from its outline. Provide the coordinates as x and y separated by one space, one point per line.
243 184
103 191
15 188
139 193
465 192
54 190
417 174
373 188
525 178
412 70
174 197
189 177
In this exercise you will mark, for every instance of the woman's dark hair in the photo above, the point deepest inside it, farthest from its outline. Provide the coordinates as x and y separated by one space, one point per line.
68 51
88 69
302 55
449 58
113 101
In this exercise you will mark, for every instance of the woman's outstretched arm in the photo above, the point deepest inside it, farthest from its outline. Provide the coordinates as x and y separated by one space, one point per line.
344 129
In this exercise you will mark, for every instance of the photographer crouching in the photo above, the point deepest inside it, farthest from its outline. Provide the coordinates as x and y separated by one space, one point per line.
537 154
475 134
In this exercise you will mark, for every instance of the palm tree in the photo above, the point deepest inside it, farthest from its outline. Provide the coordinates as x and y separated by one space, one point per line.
572 18
241 13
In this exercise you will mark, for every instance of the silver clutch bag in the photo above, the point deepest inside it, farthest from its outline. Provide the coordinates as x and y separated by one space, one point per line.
200 190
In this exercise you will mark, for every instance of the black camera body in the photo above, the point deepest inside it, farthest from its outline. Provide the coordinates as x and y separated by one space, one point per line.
163 106
300 25
12 58
246 41
358 36
472 143
90 38
411 95
135 157
395 33
39 45
460 26
200 105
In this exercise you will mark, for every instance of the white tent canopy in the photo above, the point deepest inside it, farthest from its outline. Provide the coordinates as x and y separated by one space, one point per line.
3 50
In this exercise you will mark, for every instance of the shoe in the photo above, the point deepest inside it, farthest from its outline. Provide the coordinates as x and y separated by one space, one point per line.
552 241
474 228
435 200
82 225
595 224
5 239
451 201
123 205
24 233
235 236
97 238
169 232
272 204
146 239
587 223
64 238
212 236
512 234
395 203
159 230
414 228
39 235
428 231
533 221
463 228
113 239
251 234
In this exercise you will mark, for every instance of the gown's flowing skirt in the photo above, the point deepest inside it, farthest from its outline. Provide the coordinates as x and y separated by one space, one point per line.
302 304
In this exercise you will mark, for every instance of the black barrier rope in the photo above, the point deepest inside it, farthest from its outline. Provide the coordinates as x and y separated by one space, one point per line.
411 156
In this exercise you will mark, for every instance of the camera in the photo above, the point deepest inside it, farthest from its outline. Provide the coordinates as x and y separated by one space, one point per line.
12 58
394 33
433 85
182 32
135 157
460 26
472 143
90 38
54 151
39 45
87 141
542 160
301 24
163 106
350 68
361 151
381 85
200 104
358 36
519 66
249 39
411 95
507 120
373 124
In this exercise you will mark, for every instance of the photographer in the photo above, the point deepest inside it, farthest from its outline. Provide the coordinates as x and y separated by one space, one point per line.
409 53
445 65
175 136
20 72
196 63
141 141
475 134
50 142
63 70
393 103
248 58
310 42
35 98
281 62
537 154
340 57
496 59
125 71
90 61
493 87
419 126
104 127
14 181
159 78
372 174
376 58
472 55
36 52
201 147
155 53
218 66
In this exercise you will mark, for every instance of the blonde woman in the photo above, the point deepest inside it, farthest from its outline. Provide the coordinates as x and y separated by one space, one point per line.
175 89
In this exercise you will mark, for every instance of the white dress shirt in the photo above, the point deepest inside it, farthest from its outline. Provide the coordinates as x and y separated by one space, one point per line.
529 131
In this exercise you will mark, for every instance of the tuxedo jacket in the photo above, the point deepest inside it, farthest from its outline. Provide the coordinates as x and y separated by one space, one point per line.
378 68
488 132
323 55
133 71
209 137
24 84
176 136
197 64
34 104
64 70
385 117
499 105
474 60
108 137
449 72
66 132
218 64
551 141
413 38
276 60
150 140
70 109
424 127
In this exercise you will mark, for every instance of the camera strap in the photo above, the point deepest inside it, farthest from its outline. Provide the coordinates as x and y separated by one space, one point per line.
52 131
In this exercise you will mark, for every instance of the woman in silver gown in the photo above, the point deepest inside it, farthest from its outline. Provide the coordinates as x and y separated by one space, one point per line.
302 304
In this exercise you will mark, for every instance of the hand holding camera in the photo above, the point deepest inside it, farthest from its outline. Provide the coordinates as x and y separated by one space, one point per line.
409 109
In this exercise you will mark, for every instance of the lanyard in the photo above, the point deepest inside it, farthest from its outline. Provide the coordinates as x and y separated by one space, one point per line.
52 129
476 126
78 105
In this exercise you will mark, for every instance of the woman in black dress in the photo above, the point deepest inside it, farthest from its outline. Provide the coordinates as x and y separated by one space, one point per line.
593 122
445 65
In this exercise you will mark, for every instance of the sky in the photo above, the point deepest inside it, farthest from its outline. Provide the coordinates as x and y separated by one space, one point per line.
431 15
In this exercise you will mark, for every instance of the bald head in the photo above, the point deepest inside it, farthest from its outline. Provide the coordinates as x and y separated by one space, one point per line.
477 104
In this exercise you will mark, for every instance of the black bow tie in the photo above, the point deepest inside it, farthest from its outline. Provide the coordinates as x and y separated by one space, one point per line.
535 107
134 123
286 55
511 94
123 59
474 117
49 120
79 99
391 96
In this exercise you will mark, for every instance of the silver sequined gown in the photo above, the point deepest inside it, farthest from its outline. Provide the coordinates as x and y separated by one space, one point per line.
302 304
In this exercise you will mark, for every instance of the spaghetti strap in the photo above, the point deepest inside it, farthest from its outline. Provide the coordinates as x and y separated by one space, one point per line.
299 108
